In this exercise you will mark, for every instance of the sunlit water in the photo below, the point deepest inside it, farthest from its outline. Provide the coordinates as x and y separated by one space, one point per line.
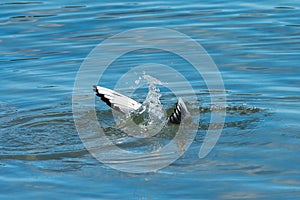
256 46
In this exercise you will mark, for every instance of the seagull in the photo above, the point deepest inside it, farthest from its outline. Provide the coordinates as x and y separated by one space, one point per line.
127 105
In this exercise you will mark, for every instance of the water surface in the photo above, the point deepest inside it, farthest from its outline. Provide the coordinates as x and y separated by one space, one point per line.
256 46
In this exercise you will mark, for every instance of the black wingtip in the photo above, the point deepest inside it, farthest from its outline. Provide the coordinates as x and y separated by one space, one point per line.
175 117
95 88
180 113
103 98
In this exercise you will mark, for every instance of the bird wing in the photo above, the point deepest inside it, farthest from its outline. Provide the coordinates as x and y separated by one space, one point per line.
180 112
116 100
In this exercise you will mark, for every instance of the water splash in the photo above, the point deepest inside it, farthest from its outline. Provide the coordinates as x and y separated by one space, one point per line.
151 118
152 103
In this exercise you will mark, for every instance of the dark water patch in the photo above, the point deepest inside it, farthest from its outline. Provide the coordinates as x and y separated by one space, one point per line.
47 86
30 16
22 3
293 25
74 6
285 7
238 117
23 59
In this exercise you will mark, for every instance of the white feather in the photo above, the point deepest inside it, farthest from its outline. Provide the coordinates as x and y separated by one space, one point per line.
118 101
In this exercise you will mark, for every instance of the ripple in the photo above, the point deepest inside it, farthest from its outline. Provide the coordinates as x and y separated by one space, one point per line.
285 7
22 3
255 46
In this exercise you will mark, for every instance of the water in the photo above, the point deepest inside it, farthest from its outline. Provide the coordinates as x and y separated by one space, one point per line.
255 45
150 118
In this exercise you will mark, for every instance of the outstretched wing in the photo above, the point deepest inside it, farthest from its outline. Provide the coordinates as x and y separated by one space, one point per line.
180 112
116 100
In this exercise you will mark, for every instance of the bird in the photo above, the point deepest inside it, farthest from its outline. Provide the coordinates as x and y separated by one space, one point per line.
125 104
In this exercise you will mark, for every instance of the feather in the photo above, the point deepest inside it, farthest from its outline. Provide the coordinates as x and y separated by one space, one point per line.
116 100
180 112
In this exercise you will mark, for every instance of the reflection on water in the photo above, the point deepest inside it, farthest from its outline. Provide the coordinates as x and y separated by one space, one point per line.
255 46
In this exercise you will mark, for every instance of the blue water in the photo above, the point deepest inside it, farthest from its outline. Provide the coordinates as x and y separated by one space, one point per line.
256 46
